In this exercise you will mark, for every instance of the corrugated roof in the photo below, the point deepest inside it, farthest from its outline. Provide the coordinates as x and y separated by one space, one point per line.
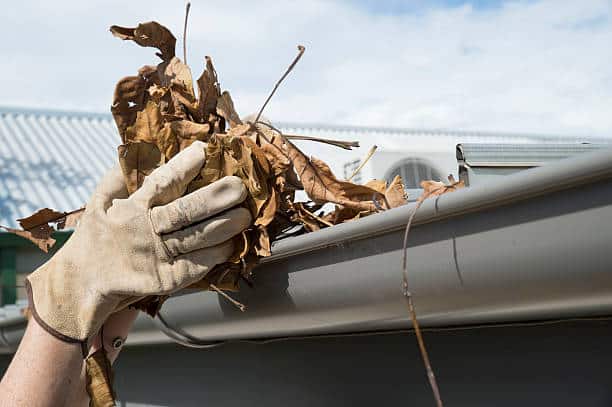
55 158
51 159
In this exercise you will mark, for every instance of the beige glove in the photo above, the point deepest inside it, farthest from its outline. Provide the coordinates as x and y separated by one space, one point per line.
154 242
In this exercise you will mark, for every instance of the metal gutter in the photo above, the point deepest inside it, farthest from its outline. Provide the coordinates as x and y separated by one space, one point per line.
528 184
534 246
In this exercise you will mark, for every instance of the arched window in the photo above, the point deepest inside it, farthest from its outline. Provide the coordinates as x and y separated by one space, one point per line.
413 171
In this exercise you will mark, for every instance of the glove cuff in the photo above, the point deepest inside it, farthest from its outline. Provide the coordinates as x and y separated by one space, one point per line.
46 327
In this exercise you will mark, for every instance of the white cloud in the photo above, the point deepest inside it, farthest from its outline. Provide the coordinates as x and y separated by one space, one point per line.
525 66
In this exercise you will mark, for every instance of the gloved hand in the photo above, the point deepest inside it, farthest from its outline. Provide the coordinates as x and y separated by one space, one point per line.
154 242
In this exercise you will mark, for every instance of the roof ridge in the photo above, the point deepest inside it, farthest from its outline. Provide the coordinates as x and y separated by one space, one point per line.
425 131
15 110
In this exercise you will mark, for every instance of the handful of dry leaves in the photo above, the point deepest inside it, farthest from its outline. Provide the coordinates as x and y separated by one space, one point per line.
158 114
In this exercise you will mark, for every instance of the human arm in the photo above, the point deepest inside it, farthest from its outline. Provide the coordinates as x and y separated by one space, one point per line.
46 371
154 242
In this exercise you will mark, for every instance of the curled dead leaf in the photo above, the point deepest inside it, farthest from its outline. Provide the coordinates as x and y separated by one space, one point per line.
225 109
322 186
151 34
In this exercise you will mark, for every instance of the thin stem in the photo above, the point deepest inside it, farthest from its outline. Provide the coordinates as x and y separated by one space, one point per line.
347 145
364 162
411 310
301 50
280 133
240 306
318 218
338 143
187 7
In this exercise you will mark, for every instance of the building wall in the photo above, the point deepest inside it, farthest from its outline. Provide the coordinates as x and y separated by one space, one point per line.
18 258
562 364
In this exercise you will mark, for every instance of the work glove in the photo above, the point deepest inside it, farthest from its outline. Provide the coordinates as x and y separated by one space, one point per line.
154 242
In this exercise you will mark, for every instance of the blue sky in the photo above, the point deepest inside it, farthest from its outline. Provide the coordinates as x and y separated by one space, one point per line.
395 7
529 66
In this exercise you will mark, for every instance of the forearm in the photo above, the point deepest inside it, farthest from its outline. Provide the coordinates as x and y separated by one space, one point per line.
56 369
43 372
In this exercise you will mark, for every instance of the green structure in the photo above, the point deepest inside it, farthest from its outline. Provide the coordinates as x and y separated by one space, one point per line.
16 257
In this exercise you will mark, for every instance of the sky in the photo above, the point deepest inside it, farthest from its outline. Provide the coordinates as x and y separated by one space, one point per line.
517 66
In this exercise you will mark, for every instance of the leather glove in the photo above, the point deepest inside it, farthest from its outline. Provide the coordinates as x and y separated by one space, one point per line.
154 242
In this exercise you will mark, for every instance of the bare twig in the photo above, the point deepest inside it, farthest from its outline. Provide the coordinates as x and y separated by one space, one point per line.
187 7
318 218
280 133
239 305
364 162
301 50
347 145
411 310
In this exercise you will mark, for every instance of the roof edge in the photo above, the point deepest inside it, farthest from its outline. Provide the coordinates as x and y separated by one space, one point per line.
27 111
341 128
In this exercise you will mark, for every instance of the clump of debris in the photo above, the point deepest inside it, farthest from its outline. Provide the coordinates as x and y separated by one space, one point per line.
158 114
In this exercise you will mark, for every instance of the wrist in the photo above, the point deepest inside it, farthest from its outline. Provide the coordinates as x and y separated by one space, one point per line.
113 334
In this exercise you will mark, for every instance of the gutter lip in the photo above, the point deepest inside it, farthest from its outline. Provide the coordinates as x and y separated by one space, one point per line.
557 176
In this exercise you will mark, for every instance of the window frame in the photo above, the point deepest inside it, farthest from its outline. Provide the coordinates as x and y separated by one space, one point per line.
417 164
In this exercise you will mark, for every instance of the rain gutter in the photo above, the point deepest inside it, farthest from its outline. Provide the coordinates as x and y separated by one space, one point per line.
534 246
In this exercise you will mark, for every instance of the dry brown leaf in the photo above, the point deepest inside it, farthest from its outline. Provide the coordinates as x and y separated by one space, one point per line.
138 160
41 237
379 185
396 193
306 218
239 156
40 218
130 96
268 210
225 109
436 188
342 214
71 219
276 156
38 230
176 76
151 34
189 130
147 125
322 186
263 244
209 91
99 379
